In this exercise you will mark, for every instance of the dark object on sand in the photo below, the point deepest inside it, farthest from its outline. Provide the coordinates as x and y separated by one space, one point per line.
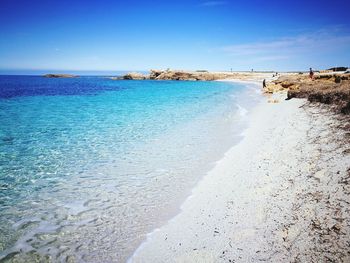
264 83
337 79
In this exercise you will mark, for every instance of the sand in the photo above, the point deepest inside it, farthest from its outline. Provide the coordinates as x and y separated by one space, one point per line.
279 195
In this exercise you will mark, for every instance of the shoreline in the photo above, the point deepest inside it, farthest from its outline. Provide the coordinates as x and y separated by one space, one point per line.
135 257
251 84
228 216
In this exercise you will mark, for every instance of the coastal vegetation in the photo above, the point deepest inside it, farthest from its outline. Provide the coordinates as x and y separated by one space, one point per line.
332 89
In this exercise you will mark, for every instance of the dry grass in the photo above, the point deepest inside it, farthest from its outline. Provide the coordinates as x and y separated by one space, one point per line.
328 89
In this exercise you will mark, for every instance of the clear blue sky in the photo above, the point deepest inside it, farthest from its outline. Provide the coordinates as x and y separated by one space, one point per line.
192 34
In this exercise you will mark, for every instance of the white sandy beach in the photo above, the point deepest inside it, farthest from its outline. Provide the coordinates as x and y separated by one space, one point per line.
268 199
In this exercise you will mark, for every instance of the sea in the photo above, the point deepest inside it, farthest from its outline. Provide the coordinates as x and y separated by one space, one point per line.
90 165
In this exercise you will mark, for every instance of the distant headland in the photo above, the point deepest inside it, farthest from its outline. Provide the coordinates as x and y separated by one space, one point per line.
198 75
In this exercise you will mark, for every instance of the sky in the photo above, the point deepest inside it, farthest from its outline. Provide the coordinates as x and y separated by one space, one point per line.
192 35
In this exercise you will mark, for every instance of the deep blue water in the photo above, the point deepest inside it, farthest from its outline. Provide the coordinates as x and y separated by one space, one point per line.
15 86
89 165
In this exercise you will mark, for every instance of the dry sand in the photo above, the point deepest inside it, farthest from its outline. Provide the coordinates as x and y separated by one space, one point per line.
280 195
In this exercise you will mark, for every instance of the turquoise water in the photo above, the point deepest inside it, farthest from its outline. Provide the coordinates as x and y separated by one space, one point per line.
89 166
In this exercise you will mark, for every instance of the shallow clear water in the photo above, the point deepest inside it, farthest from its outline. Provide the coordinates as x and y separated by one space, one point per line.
89 166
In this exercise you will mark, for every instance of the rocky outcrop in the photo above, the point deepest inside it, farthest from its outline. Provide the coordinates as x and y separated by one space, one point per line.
59 76
332 89
134 76
200 75
186 75
154 74
172 75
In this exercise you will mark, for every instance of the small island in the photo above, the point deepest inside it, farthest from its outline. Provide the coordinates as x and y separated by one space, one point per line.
59 76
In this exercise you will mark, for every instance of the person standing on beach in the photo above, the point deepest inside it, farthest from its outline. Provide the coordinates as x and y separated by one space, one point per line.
311 74
264 83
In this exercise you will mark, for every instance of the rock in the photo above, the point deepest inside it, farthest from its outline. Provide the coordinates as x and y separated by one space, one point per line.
155 73
174 75
134 76
287 85
320 175
346 109
337 79
186 75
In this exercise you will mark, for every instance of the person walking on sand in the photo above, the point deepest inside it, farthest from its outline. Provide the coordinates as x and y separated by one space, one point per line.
311 74
264 83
